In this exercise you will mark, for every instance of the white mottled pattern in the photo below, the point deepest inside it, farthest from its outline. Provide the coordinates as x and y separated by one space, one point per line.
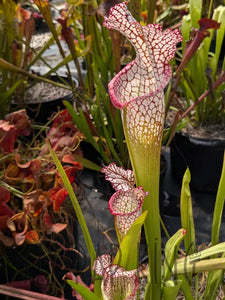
126 207
117 283
138 88
120 179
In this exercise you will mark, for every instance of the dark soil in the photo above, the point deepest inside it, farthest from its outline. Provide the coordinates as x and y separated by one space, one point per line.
210 131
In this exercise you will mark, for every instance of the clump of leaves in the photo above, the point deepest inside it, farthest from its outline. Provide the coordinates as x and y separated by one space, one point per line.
32 191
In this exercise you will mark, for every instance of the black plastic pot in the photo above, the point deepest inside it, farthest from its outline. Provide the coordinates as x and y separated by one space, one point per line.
41 111
204 157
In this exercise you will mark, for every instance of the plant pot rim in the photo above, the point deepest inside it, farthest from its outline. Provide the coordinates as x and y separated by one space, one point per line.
57 79
200 141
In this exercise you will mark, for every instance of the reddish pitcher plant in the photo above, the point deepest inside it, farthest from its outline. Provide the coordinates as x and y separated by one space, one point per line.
30 174
138 91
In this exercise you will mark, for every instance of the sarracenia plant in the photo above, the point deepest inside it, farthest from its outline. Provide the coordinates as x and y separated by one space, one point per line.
138 91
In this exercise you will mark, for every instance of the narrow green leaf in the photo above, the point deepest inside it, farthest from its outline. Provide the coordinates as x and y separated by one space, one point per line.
218 209
106 132
38 55
219 16
134 7
185 30
171 252
215 278
187 221
87 163
195 11
127 255
151 5
82 290
196 263
76 206
220 248
186 287
62 63
5 65
204 265
6 94
81 123
212 284
171 288
147 294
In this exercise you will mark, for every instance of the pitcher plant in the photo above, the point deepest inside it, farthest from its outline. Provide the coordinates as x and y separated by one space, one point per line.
137 91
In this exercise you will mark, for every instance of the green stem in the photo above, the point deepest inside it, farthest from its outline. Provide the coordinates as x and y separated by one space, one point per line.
149 179
151 11
145 161
210 9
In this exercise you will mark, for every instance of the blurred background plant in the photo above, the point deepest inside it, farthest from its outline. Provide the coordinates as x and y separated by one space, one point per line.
200 80
17 56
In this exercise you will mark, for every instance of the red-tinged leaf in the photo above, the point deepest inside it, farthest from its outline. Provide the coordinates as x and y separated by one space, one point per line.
58 195
19 238
4 195
120 179
29 30
18 224
192 45
58 227
3 220
63 117
207 24
50 227
32 237
33 165
67 33
21 121
69 159
64 136
34 201
8 135
5 210
59 142
70 172
47 220
13 174
38 283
